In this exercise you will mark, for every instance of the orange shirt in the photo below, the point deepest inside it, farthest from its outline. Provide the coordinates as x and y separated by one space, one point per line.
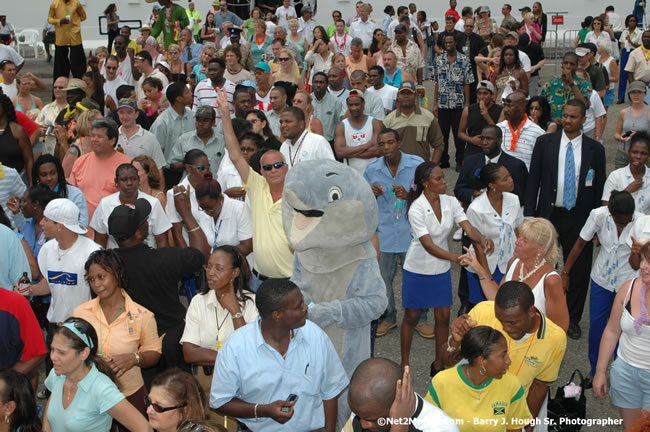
134 330
96 177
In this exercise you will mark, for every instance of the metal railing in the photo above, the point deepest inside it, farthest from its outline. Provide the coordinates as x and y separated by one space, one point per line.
103 26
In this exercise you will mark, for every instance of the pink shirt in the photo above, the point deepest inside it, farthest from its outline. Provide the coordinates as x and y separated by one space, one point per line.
96 177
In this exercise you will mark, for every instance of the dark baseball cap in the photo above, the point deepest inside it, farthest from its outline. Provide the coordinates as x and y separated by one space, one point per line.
407 85
144 55
400 28
125 220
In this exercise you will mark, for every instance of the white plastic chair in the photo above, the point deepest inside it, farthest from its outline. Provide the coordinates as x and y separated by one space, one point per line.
29 38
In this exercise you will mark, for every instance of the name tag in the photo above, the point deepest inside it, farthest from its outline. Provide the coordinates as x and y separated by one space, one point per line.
589 180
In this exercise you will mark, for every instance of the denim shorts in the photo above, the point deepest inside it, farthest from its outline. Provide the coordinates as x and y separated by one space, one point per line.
630 386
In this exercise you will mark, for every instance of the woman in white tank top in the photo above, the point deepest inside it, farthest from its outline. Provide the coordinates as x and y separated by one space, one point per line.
533 262
629 327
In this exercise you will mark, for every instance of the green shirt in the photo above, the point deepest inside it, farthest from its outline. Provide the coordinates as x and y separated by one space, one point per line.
508 22
597 77
331 29
170 35
558 95
195 16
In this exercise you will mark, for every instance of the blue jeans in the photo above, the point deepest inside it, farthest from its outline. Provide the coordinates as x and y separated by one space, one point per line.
388 263
600 306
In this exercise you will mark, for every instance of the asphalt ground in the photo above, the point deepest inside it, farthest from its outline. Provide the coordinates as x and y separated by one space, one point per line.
423 350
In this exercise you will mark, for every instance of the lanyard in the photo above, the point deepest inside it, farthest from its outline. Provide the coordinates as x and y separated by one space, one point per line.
216 234
532 340
219 342
293 158
516 133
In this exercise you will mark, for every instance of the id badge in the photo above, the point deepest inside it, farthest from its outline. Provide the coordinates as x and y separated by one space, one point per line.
589 180
219 345
132 325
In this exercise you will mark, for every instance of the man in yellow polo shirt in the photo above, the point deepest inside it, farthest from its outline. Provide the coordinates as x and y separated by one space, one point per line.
273 255
536 345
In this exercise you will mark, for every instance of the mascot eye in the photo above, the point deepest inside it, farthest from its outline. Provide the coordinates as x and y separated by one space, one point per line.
334 194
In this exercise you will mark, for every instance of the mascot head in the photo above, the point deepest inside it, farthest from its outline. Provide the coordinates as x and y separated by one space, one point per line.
327 205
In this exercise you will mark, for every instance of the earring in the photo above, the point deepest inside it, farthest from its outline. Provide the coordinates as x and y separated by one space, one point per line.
483 370
6 419
538 260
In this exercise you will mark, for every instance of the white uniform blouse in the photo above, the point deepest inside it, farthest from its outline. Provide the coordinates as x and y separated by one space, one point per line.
499 228
424 222
620 179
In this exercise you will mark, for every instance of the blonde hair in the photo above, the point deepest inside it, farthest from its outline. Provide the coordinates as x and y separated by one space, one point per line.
542 232
336 56
209 48
102 49
529 15
295 72
84 120
22 76
293 21
260 23
606 45
174 47
310 107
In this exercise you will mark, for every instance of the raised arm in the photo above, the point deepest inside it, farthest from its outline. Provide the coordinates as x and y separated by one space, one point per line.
232 143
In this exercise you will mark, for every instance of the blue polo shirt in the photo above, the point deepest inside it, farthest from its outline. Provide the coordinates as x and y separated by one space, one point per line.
250 369
394 235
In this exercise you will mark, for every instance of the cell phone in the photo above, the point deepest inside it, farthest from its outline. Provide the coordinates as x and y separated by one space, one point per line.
193 76
627 134
50 131
292 398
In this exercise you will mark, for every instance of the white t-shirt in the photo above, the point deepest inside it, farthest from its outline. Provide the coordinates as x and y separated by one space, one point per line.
499 228
227 175
309 146
65 274
110 89
424 222
388 95
201 327
158 221
9 89
525 61
124 71
612 265
620 179
283 14
202 218
233 226
596 109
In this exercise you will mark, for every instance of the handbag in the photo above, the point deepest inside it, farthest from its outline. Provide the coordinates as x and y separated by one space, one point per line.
564 414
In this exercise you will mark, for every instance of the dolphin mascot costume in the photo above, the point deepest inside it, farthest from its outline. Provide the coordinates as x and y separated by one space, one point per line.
330 214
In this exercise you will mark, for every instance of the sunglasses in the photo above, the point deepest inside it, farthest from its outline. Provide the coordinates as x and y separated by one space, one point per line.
535 108
201 168
110 67
283 59
82 327
158 408
276 165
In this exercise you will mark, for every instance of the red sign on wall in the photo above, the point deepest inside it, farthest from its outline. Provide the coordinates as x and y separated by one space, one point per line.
557 20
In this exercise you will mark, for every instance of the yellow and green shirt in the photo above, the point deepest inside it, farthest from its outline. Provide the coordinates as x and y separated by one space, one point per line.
538 357
496 406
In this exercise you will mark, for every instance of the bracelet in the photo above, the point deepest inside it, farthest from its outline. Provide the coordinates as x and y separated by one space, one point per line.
255 411
196 228
484 278
450 348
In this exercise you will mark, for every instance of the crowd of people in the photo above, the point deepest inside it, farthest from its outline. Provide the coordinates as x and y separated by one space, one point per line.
146 262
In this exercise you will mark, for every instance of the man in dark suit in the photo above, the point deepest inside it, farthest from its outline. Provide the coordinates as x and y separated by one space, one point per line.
465 191
558 157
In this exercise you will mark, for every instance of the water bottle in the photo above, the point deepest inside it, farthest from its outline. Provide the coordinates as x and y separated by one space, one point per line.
399 209
24 285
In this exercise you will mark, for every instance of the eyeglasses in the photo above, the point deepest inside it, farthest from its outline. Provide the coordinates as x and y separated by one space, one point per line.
209 269
61 87
283 59
201 168
108 68
276 165
535 108
158 408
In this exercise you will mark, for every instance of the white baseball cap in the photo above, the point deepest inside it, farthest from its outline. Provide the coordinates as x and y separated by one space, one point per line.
66 213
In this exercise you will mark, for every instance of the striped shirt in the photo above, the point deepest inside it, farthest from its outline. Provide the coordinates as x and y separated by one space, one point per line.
526 142
205 94
11 184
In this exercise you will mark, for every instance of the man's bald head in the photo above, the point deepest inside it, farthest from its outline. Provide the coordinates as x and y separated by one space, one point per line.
373 383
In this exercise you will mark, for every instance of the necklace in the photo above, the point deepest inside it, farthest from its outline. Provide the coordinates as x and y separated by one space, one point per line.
260 42
469 377
60 254
523 278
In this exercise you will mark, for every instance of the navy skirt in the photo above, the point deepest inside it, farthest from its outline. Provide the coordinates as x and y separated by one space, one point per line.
476 295
421 291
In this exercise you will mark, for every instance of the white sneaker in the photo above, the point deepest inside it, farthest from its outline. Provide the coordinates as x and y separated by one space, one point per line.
458 234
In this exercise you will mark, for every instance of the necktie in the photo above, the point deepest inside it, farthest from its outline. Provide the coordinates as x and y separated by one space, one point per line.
569 197
189 53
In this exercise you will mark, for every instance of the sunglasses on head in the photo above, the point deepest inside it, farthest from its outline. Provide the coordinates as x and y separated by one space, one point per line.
158 408
276 165
201 167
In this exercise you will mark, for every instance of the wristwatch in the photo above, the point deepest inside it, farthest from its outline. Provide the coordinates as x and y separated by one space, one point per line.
137 358
238 315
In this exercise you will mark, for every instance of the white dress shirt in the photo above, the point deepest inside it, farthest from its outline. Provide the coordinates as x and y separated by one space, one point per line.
577 157
424 222
309 146
232 227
